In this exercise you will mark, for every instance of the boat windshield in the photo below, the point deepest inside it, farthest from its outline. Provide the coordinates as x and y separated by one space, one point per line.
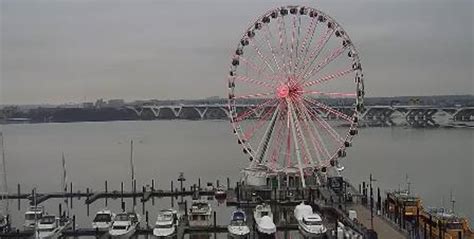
47 220
264 213
122 217
237 223
164 226
102 218
119 227
314 223
31 216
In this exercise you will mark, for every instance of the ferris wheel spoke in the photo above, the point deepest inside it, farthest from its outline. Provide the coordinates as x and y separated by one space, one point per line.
253 110
295 140
263 58
293 39
327 78
306 118
323 148
254 95
329 109
331 57
331 94
263 145
253 81
325 125
283 47
305 44
255 68
249 133
268 35
302 140
275 152
314 54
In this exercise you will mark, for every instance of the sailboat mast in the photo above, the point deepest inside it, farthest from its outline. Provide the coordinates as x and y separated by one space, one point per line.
132 167
4 175
64 184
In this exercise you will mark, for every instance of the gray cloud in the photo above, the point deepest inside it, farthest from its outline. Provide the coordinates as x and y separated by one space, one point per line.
68 50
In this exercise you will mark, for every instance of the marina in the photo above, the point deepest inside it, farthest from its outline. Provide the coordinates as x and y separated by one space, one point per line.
295 103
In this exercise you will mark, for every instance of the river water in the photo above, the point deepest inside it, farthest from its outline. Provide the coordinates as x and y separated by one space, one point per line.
437 161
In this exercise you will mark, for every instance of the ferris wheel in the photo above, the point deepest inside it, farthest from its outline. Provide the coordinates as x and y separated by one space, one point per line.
292 66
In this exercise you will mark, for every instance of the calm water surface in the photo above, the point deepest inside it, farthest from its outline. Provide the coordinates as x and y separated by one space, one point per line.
437 161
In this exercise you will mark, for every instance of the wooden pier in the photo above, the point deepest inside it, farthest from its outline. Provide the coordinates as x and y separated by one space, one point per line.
332 203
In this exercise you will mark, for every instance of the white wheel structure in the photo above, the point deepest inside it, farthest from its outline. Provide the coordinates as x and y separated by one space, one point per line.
293 65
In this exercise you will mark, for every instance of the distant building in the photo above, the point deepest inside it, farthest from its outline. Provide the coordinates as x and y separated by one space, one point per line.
116 103
100 103
88 105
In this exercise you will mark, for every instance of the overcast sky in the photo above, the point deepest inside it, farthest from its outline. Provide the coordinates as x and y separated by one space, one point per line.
81 50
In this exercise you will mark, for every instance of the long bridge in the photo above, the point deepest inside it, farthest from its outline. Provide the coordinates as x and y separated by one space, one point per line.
377 115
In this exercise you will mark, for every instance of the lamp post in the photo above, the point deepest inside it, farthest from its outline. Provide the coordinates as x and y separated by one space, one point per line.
371 179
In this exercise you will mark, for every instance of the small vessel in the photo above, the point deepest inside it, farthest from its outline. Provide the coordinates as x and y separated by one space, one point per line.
200 214
51 226
3 223
166 223
220 193
309 223
103 220
263 216
238 225
124 225
32 216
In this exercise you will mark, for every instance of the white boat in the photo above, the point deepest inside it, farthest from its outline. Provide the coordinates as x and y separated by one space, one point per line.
124 225
166 223
103 220
264 218
238 225
220 193
51 226
3 223
32 216
310 224
200 213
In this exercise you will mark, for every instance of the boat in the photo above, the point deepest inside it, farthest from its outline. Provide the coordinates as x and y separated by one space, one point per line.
220 193
166 223
124 225
32 216
4 223
238 225
310 224
103 220
200 214
264 219
51 226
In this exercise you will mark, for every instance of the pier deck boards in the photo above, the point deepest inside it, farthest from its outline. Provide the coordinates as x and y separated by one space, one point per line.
382 227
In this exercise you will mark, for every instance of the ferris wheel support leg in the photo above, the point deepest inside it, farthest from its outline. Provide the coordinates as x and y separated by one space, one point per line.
297 147
267 136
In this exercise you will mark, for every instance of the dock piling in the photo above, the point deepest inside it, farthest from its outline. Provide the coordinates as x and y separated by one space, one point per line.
121 192
18 191
153 189
74 223
87 199
106 191
70 194
134 192
146 219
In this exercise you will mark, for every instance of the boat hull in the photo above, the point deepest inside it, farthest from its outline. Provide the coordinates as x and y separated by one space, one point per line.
262 235
126 234
305 232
